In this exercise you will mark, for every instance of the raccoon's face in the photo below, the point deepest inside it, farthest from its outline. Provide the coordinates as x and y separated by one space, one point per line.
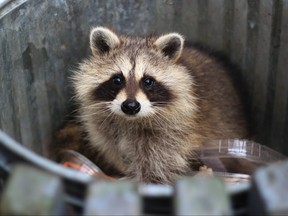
132 77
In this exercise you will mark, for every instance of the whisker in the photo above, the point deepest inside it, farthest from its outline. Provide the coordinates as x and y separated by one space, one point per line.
95 113
98 104
108 116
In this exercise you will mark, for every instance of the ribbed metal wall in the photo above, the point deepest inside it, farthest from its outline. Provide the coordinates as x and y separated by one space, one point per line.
40 41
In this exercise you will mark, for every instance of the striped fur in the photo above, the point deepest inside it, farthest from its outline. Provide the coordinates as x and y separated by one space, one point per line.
191 100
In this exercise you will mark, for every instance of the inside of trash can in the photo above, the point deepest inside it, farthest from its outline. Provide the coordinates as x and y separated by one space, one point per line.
41 47
42 42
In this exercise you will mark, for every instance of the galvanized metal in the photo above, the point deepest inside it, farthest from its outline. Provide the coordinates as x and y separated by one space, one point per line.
201 195
269 191
110 198
33 192
41 41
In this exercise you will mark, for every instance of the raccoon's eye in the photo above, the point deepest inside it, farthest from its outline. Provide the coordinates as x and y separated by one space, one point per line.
148 81
118 80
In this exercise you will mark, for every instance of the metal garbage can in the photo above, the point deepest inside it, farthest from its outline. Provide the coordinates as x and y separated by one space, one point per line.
41 42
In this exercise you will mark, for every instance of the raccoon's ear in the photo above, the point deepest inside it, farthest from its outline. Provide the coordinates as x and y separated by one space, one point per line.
171 45
102 40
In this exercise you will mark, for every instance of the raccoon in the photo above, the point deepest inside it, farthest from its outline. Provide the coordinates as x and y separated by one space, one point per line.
147 103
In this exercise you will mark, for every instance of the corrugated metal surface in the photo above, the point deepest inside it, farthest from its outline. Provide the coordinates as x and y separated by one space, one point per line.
41 40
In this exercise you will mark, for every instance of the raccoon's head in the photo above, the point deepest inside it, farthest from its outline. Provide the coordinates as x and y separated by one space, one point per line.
132 77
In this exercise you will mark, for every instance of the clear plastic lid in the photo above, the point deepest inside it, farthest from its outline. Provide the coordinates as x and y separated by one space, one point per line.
234 161
241 148
237 156
74 160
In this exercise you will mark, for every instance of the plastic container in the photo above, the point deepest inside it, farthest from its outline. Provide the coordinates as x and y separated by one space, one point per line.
232 160
237 156
236 160
77 161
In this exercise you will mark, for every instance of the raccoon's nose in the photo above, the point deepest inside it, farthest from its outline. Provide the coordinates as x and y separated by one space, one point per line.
130 106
